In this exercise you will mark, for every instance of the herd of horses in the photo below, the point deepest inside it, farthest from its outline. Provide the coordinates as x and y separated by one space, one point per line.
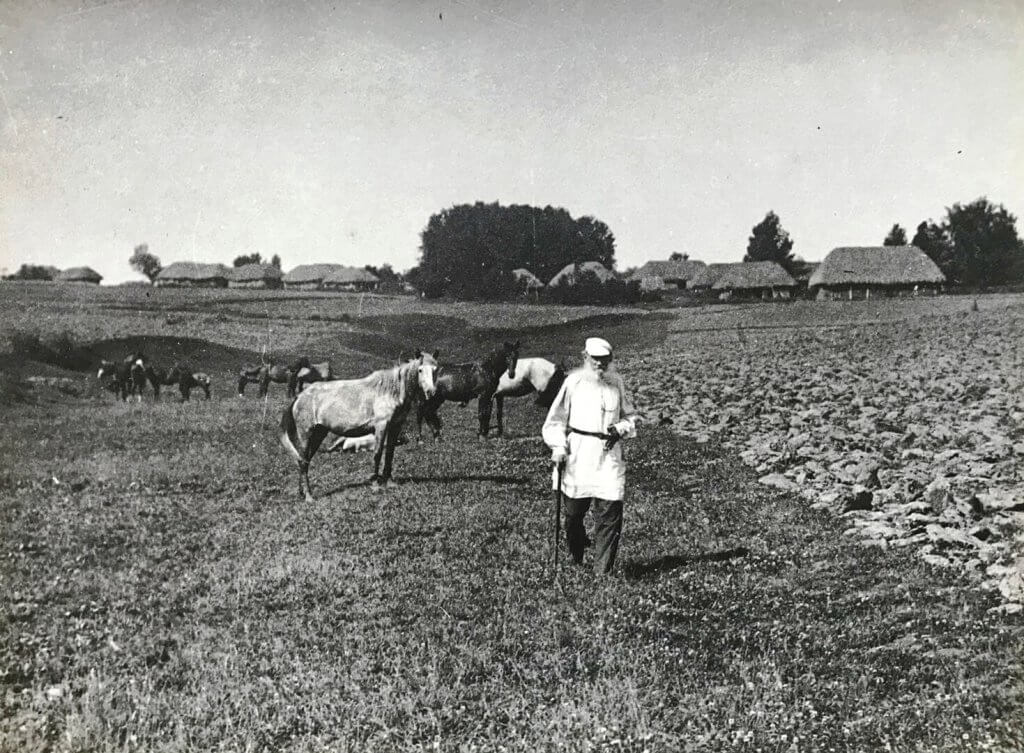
378 405
365 413
130 376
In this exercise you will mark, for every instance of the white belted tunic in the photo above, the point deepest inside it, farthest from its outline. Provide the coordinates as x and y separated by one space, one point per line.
590 402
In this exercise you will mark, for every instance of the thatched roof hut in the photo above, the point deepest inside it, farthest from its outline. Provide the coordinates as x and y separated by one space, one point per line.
704 278
761 279
571 272
80 274
309 276
532 282
671 273
876 267
255 276
351 278
192 274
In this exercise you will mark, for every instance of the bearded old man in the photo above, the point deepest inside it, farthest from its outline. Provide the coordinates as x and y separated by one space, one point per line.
591 414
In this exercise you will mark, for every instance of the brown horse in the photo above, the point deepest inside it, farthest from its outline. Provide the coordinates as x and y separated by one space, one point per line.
462 382
376 404
125 377
264 374
181 375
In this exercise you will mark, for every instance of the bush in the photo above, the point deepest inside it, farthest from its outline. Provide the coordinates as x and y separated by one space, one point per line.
589 289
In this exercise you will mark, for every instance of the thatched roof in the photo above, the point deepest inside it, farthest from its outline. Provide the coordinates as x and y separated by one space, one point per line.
187 270
532 281
570 272
255 272
349 275
876 265
708 276
79 274
311 272
670 271
749 275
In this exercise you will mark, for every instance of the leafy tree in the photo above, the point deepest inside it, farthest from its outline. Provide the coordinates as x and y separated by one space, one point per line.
896 237
385 274
769 242
241 261
469 251
977 244
986 247
275 261
145 263
34 272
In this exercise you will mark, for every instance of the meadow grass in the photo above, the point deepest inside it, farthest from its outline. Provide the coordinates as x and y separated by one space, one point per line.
167 590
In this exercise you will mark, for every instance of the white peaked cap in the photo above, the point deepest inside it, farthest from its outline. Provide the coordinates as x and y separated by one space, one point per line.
596 346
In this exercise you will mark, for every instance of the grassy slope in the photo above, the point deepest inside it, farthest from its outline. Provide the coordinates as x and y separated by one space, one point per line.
170 593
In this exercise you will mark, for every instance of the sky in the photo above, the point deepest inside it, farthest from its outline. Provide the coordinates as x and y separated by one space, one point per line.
332 131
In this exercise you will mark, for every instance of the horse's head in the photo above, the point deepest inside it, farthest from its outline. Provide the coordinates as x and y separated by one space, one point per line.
426 370
511 356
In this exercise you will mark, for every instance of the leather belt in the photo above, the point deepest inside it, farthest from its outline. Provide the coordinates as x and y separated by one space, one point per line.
599 435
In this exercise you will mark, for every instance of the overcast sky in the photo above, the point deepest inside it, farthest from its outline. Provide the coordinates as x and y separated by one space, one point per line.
331 131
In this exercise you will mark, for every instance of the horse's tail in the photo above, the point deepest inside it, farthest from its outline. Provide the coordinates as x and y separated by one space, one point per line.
289 435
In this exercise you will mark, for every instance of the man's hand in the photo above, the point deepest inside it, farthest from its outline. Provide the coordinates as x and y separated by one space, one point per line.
613 437
558 458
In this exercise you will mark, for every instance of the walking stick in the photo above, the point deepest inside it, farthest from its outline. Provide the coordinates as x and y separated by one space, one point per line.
558 522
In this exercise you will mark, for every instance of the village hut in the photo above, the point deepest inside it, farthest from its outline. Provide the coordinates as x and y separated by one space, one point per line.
703 279
309 276
80 274
669 274
866 271
258 276
187 274
765 280
570 273
351 278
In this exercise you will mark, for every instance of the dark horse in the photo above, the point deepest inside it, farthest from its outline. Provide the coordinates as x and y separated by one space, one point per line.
181 375
462 382
126 377
266 373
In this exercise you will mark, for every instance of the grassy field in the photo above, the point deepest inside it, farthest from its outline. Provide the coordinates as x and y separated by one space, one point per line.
165 589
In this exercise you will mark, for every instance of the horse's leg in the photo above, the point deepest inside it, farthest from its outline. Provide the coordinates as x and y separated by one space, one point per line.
391 433
499 405
380 438
242 381
264 384
313 439
206 389
484 412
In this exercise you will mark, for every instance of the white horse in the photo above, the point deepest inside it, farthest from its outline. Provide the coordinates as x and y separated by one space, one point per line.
376 405
532 375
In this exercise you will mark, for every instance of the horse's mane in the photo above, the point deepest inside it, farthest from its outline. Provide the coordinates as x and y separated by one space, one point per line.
393 382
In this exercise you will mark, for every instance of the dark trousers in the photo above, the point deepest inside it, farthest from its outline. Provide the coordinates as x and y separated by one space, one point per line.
607 530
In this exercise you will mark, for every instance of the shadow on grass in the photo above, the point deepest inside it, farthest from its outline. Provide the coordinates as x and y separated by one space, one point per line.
493 478
640 570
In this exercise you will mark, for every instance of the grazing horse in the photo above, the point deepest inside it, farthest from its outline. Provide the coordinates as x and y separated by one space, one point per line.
266 373
123 378
315 372
532 375
462 382
181 375
376 404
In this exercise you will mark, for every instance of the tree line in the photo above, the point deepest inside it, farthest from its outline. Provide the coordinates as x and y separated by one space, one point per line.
469 251
975 245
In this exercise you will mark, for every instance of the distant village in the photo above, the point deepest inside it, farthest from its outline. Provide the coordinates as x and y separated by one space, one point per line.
846 272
